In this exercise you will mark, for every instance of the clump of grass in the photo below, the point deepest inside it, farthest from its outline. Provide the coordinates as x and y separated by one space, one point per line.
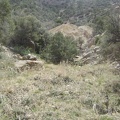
7 69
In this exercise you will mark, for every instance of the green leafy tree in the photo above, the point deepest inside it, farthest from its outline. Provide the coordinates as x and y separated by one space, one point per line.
4 9
60 49
114 28
27 29
5 21
111 40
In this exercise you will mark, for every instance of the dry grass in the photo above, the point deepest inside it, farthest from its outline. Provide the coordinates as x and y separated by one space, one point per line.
56 92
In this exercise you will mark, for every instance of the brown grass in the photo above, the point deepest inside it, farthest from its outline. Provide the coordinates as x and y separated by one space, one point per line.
56 92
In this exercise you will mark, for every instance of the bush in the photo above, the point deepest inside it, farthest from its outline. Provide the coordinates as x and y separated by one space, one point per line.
111 40
111 51
59 21
112 88
22 50
114 28
60 49
4 9
5 21
28 33
27 29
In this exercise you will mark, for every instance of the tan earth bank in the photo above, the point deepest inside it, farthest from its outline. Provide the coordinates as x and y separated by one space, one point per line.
84 32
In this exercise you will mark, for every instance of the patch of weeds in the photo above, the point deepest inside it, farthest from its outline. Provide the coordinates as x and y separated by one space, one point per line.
88 103
18 114
67 79
56 93
61 80
50 116
105 118
75 114
112 88
26 102
22 50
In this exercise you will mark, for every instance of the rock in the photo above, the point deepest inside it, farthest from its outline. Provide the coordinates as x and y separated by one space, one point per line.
96 49
86 55
89 56
28 57
78 58
17 56
33 63
116 65
32 57
27 64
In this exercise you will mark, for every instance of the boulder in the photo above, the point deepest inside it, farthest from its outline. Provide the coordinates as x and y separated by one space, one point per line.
27 64
116 65
28 57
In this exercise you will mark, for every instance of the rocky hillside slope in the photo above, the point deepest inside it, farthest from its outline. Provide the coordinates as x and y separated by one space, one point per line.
60 92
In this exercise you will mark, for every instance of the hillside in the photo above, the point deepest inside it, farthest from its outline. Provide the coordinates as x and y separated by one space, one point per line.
59 60
70 30
58 92
78 12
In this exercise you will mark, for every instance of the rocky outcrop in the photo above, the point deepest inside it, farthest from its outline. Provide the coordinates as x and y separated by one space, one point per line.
29 57
27 64
89 56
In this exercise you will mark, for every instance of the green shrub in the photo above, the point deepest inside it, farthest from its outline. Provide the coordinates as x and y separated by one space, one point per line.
113 28
5 21
105 118
60 49
110 45
113 87
4 9
59 20
27 29
22 50
28 33
111 51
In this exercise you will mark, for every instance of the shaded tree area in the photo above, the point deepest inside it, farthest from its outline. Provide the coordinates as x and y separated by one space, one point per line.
5 21
60 49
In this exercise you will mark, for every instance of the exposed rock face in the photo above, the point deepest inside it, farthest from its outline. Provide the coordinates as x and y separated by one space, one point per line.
89 56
